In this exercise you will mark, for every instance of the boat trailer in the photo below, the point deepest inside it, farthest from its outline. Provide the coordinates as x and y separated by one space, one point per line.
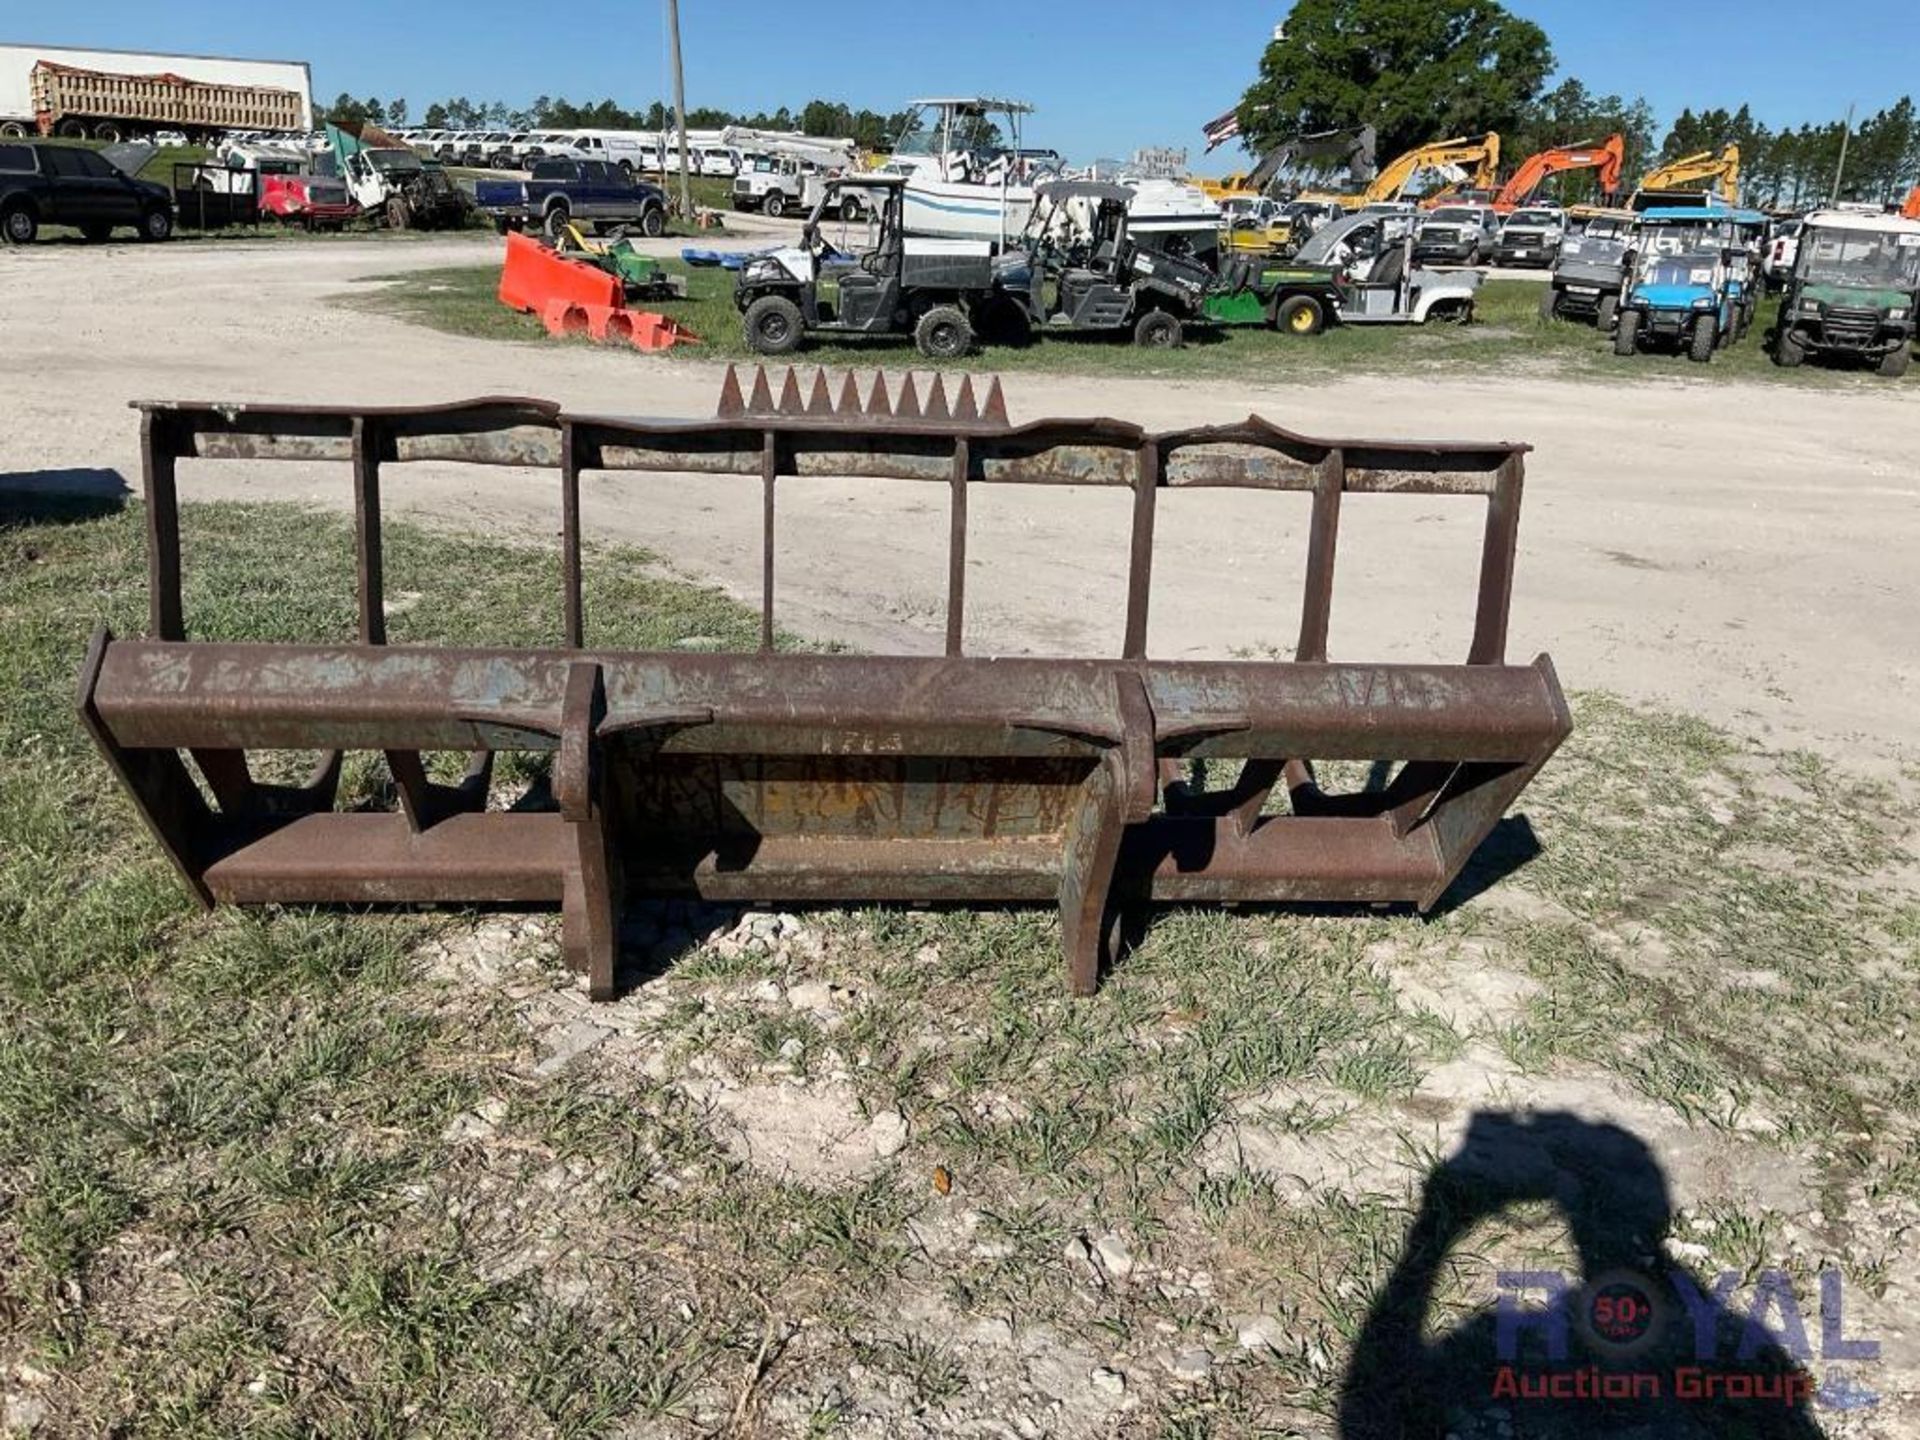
776 777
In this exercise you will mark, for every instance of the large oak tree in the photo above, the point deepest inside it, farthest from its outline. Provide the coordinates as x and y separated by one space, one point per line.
1415 70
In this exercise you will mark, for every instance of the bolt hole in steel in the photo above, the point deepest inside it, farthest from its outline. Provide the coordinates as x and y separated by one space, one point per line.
1099 782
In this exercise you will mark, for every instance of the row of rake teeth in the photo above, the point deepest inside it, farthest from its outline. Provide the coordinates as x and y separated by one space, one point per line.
820 402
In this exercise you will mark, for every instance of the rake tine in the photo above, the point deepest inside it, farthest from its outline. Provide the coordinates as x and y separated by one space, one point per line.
732 406
821 401
879 403
762 401
994 412
908 405
849 405
937 399
964 409
790 401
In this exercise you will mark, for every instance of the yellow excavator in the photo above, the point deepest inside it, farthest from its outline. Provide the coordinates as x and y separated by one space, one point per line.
1479 155
1693 172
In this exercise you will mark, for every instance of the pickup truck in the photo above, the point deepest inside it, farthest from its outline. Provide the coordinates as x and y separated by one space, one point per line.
44 184
587 193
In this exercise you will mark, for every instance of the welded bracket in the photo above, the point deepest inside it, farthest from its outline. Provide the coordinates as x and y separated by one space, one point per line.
592 889
1120 791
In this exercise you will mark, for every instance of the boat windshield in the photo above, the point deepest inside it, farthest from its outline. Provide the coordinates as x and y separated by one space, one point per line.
1861 258
935 130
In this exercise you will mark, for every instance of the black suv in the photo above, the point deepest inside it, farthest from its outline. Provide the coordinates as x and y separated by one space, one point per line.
68 185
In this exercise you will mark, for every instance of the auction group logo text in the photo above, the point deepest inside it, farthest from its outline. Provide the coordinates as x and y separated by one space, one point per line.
1714 1350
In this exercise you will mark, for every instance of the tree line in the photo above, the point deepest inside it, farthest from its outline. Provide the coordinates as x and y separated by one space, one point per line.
1794 168
1423 70
826 118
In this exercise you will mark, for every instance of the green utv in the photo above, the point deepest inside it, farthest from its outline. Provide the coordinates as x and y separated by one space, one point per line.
1852 291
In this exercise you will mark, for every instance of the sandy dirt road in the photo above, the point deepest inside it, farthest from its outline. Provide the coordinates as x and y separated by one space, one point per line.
1745 552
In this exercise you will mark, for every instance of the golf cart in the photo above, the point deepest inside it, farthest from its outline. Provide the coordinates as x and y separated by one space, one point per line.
1590 269
1085 262
1687 283
1852 291
902 285
1368 260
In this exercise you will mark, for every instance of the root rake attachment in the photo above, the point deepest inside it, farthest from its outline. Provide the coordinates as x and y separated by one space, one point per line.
767 777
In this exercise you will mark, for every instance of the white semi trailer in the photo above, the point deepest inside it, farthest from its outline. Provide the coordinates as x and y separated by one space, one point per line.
118 94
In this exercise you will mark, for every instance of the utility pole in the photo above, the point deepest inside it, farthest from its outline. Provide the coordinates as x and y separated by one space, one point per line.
1841 168
679 104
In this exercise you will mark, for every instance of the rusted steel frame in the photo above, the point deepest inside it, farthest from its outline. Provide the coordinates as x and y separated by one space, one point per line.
1470 736
225 772
957 547
1499 549
490 431
592 894
819 438
1146 487
432 697
769 474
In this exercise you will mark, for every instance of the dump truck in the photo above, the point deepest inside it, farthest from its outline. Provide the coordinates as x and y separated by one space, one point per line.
114 95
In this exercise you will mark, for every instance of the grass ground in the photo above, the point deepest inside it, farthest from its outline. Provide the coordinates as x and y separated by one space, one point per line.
1509 338
869 1173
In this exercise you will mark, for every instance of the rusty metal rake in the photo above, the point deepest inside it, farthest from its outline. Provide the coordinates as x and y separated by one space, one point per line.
824 778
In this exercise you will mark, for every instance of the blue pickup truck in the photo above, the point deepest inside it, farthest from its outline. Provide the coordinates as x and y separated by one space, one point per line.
587 193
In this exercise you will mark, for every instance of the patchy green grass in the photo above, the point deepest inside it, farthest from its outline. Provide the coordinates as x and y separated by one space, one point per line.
1508 338
309 1172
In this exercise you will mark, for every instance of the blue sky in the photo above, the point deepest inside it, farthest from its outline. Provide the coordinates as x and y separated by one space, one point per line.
1106 77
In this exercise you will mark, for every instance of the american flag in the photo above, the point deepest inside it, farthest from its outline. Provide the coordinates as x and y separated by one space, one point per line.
1221 130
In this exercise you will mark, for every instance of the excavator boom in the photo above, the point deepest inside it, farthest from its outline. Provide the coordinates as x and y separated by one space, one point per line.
1480 152
1609 157
1722 170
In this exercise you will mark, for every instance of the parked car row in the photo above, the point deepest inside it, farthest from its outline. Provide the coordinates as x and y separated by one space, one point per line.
634 151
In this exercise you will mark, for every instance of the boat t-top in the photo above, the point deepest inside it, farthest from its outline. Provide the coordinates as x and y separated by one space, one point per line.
968 176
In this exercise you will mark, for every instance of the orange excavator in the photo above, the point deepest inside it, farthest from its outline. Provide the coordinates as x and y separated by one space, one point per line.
1912 208
1609 157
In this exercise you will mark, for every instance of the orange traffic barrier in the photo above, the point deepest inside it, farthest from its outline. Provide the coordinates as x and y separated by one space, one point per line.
535 276
658 332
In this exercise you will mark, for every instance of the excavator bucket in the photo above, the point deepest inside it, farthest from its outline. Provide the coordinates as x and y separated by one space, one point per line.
1098 785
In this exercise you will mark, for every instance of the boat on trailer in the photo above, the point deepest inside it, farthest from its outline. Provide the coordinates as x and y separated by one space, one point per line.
968 177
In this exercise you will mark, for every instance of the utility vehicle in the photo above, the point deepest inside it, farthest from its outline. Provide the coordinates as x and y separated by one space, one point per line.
1684 288
1086 260
933 290
1852 291
1590 269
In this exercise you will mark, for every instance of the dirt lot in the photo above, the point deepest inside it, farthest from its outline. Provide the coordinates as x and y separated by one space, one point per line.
1743 554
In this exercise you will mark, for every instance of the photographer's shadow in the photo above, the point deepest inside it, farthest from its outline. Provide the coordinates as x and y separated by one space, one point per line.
1634 1345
